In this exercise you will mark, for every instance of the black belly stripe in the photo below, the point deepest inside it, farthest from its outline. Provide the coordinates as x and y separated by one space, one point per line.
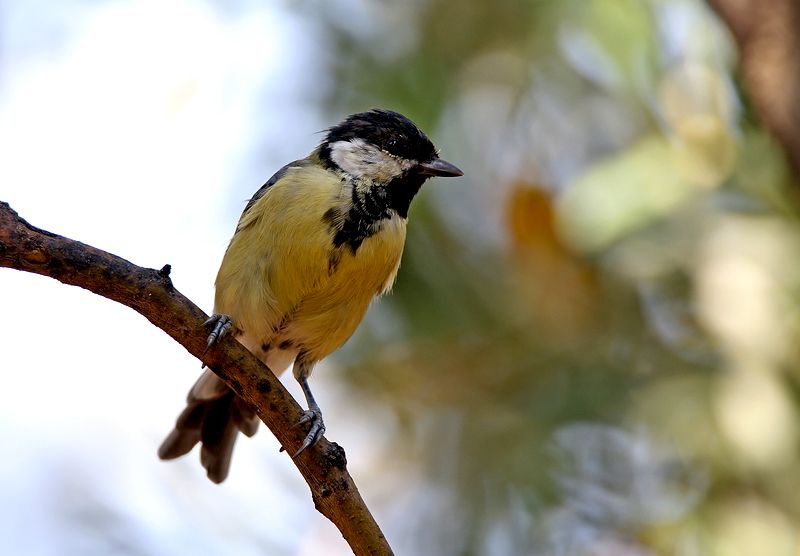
369 207
286 344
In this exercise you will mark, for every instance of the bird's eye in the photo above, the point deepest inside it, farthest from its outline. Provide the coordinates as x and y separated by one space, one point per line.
392 143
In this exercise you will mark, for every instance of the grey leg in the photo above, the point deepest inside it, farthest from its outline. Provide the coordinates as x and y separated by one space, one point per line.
313 414
222 325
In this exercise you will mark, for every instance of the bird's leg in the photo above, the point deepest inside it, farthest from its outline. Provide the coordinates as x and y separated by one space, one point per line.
312 415
222 325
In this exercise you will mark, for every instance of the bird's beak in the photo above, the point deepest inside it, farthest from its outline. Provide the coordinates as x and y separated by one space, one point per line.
439 167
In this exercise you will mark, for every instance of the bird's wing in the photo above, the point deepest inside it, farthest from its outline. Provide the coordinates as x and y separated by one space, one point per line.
281 249
263 189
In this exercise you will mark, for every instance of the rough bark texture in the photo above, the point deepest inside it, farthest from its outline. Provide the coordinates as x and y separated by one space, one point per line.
151 293
767 33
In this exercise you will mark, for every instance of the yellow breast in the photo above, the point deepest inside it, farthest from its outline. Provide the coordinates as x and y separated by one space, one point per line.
276 280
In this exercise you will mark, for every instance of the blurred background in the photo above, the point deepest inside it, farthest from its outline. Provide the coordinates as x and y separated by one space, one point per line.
591 348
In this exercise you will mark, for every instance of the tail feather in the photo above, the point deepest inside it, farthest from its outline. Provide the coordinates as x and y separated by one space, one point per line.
178 443
213 420
244 417
192 416
218 435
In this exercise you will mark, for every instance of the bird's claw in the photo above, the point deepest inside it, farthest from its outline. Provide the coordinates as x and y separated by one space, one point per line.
222 325
317 430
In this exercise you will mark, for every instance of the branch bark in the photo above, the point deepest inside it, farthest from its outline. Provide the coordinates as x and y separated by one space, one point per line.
151 293
767 33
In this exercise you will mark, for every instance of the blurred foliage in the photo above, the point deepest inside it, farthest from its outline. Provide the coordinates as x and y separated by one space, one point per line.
591 347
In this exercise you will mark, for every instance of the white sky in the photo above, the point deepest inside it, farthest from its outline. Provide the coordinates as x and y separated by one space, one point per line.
139 127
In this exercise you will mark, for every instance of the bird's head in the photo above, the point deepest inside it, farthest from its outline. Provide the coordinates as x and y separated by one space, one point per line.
381 147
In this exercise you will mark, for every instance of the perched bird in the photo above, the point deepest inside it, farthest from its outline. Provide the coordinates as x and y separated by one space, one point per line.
313 247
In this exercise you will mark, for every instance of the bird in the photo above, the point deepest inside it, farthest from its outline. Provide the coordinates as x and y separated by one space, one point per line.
313 247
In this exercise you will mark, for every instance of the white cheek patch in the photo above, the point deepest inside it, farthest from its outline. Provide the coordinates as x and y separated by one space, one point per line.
362 160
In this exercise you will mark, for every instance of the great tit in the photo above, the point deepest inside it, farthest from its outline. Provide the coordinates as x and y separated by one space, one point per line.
315 244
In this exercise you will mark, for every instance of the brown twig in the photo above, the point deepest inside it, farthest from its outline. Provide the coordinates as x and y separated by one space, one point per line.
151 293
767 33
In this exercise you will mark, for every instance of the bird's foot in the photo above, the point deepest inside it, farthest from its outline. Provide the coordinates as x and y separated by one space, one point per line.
222 324
314 416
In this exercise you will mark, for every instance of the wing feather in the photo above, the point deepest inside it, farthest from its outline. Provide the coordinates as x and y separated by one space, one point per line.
281 249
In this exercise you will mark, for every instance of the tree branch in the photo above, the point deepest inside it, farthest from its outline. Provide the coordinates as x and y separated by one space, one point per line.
151 293
768 35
